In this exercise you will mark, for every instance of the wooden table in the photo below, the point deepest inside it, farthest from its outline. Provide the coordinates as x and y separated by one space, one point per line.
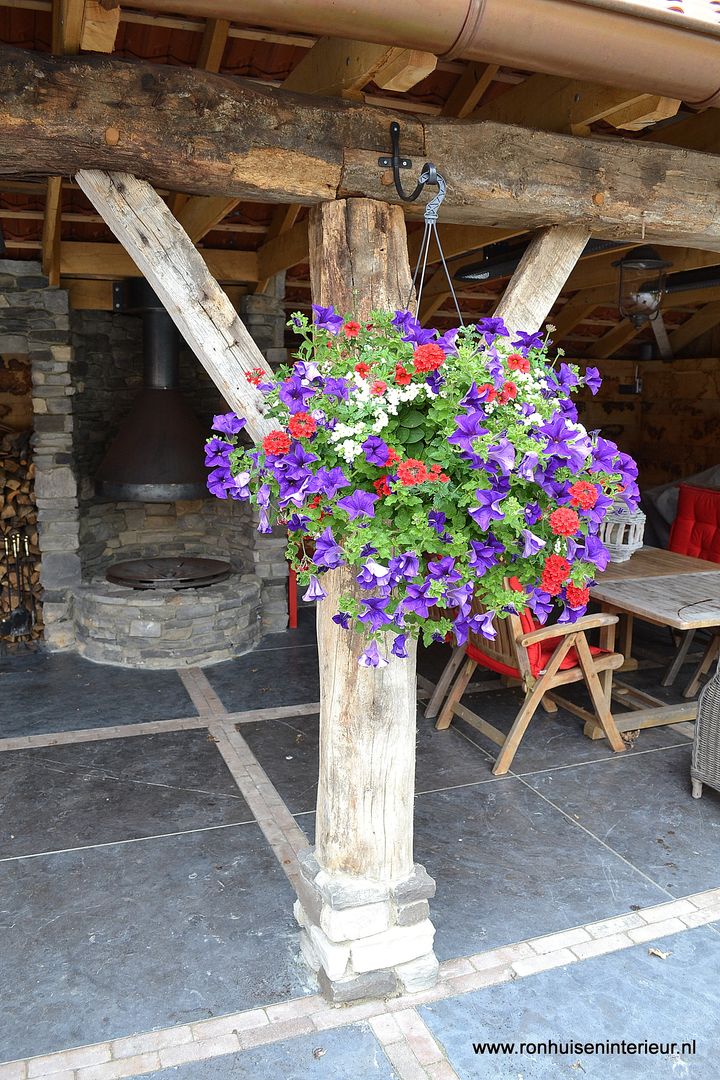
666 589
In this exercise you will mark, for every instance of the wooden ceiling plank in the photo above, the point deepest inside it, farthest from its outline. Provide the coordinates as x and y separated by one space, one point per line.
212 47
283 251
404 68
469 89
704 319
337 68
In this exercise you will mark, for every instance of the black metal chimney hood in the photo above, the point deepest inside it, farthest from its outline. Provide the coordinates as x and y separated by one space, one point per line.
157 455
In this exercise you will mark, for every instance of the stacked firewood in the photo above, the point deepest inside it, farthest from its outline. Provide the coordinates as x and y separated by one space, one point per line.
19 550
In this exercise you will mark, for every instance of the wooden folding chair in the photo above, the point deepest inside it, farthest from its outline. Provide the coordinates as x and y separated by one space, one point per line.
541 658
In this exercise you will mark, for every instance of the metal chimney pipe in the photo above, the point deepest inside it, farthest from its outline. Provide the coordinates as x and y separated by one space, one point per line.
157 455
635 44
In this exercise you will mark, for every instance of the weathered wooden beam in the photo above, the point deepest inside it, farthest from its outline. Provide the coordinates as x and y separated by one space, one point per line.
540 276
286 250
550 103
110 261
177 272
704 319
334 68
204 134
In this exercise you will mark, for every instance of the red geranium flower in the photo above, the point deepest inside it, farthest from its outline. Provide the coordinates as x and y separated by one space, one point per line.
583 494
393 456
314 503
382 487
378 387
575 596
428 357
436 473
516 362
351 329
255 376
402 376
555 572
276 442
564 522
412 472
302 425
362 369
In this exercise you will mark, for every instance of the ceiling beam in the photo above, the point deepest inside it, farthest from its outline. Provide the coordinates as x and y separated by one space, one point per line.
703 320
110 261
51 231
540 275
200 215
336 68
285 250
468 91
101 19
550 103
609 343
212 46
56 112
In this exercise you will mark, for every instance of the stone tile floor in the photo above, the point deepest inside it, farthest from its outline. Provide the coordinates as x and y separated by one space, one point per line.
141 900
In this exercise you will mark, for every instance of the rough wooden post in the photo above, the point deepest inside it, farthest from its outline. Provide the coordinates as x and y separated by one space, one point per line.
363 903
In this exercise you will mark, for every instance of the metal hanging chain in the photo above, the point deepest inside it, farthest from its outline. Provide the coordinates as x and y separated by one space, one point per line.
429 175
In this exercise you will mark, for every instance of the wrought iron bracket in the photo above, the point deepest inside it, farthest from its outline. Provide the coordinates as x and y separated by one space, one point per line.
396 162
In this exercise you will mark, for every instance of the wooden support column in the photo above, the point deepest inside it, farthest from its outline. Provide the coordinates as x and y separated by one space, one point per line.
365 908
540 275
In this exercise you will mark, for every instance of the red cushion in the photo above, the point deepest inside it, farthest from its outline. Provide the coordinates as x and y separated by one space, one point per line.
696 528
539 654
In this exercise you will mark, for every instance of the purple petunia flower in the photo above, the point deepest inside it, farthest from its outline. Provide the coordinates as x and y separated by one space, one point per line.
399 647
592 380
418 601
376 451
216 451
531 543
415 333
526 342
359 504
491 329
485 554
541 605
327 552
528 465
325 318
482 623
372 658
443 570
533 513
314 590
595 552
468 427
436 521
239 488
604 454
435 382
293 394
297 523
338 388
328 482
502 454
488 508
342 618
218 481
373 575
405 565
228 423
374 614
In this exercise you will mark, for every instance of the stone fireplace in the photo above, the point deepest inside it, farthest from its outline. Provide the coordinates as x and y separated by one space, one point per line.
87 370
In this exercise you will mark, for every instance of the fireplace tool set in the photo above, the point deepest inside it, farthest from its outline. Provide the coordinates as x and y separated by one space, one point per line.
21 601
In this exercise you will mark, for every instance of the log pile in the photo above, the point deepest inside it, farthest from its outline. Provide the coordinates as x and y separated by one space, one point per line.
18 518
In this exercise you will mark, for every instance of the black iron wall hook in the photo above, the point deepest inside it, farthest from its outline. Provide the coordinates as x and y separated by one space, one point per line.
397 162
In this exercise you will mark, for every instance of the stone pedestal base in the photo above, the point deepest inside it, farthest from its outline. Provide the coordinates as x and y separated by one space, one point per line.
364 939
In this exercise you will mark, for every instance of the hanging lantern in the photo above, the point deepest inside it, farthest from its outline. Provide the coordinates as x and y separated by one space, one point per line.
641 284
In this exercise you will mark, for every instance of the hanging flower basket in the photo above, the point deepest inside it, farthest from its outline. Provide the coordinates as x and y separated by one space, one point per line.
438 467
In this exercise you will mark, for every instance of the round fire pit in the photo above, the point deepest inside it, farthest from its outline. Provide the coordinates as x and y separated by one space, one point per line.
168 573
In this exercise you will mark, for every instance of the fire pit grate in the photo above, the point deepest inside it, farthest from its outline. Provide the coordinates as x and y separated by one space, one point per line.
168 573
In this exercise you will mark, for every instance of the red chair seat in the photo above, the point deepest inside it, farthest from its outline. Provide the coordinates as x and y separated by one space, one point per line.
696 528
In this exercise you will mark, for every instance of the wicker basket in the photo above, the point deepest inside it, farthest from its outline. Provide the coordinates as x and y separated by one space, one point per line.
622 532
705 767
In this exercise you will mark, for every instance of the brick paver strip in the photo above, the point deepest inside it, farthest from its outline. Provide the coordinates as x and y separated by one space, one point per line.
390 1020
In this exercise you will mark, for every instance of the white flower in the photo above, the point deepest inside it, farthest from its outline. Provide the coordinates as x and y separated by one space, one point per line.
381 422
